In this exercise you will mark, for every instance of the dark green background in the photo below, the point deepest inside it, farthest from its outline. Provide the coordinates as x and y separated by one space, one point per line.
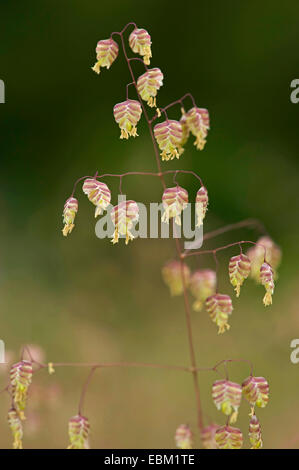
82 299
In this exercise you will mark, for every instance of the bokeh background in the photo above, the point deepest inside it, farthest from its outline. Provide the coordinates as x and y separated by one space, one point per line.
81 299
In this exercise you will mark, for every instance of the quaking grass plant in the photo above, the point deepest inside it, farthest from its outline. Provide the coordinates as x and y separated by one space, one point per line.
260 262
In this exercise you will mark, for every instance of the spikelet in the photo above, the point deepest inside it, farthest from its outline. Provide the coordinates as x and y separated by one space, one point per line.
123 217
78 429
183 437
175 200
69 213
140 43
20 380
199 123
207 436
127 114
227 398
227 437
98 193
202 286
107 51
185 132
16 427
267 280
219 306
256 391
264 249
169 136
148 85
239 270
255 434
172 276
201 205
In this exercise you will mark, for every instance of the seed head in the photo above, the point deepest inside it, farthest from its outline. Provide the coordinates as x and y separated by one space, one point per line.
201 205
123 217
98 193
16 427
107 51
169 136
239 270
148 85
255 434
199 123
227 398
140 43
69 213
219 306
127 115
265 249
172 276
208 436
78 432
227 437
174 200
256 391
202 286
20 380
183 437
267 279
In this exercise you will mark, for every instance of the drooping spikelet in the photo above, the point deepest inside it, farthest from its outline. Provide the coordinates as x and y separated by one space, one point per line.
256 391
78 429
219 306
169 136
172 276
148 85
98 193
199 123
183 437
69 213
20 380
127 114
207 436
265 249
16 427
107 51
202 286
175 200
227 437
239 270
123 217
267 280
227 398
255 433
201 205
140 43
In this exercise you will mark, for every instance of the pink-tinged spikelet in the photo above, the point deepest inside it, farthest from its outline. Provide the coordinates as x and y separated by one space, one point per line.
199 123
227 398
219 306
16 428
239 270
183 437
265 249
148 85
98 193
69 213
127 115
123 216
140 43
78 429
169 136
202 286
20 380
175 200
107 51
227 437
207 436
255 433
267 280
172 276
201 205
256 391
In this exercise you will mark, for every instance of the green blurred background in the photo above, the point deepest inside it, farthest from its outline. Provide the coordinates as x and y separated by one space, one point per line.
82 299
